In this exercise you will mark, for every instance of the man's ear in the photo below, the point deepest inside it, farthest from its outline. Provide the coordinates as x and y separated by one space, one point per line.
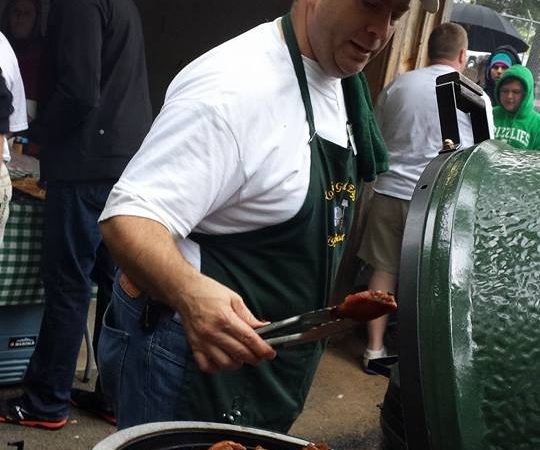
463 58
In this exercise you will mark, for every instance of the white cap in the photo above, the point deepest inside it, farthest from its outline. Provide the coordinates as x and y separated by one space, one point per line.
430 5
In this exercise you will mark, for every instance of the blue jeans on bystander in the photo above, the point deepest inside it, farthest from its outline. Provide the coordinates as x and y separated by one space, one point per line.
73 255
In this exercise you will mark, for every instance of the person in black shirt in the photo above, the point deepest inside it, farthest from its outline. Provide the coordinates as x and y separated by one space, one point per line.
92 123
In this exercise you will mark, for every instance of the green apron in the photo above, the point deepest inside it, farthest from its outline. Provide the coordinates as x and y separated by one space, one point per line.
280 271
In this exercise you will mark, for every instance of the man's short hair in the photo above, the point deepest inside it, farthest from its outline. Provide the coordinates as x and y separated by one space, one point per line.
446 41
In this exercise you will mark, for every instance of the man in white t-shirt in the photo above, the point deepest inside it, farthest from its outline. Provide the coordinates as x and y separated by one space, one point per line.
17 122
237 207
407 113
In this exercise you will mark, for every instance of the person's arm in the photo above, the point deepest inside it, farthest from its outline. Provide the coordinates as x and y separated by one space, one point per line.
535 135
218 325
379 107
6 107
2 141
75 29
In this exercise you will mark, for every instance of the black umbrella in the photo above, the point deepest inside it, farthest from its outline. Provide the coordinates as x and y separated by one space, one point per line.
486 28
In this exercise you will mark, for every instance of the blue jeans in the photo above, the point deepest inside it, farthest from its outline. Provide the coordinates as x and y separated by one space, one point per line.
142 371
73 255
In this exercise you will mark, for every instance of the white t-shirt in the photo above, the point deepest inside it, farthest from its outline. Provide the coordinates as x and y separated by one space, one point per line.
407 113
12 74
229 151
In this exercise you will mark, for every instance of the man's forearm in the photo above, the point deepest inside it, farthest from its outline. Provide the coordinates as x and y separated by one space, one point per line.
147 253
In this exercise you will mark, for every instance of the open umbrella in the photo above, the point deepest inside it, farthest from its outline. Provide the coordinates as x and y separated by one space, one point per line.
486 28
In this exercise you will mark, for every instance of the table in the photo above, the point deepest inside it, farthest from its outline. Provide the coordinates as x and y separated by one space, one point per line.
20 282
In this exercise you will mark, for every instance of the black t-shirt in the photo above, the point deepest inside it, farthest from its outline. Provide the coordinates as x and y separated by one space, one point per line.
99 111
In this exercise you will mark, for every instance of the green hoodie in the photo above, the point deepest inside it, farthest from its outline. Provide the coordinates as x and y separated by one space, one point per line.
520 129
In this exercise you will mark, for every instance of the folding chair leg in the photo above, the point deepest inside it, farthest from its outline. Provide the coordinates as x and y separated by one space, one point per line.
89 355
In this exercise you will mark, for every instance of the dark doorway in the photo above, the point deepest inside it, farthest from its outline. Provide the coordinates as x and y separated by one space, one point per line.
177 31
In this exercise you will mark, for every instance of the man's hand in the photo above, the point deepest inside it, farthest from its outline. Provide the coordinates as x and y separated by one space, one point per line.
220 328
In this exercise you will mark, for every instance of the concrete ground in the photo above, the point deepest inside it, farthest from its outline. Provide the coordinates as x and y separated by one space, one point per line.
341 409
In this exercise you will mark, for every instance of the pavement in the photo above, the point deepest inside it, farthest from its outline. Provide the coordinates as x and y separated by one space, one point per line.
341 408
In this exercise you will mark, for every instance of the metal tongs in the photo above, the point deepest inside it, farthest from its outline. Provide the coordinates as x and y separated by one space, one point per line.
307 327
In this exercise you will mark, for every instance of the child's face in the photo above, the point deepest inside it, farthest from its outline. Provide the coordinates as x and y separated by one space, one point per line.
511 95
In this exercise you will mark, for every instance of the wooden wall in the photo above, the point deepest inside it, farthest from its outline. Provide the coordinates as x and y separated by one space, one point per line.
408 48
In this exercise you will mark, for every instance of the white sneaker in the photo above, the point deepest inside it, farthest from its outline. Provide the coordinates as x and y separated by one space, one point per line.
372 354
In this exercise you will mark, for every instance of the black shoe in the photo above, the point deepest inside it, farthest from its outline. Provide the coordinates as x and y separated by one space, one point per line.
93 403
13 411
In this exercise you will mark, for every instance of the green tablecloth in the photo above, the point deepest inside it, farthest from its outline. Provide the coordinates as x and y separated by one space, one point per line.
20 282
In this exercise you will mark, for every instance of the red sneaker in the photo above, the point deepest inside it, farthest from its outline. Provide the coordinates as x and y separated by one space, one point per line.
93 403
13 411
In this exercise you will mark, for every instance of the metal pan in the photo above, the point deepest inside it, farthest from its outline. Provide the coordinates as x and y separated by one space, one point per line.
195 436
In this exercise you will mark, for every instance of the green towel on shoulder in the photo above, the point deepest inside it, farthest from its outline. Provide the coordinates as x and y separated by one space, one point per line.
372 152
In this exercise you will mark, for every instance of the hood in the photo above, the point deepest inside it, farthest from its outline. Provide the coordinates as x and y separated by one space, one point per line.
509 50
524 75
489 83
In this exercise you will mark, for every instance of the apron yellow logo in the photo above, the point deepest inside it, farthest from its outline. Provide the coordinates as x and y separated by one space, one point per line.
339 210
336 188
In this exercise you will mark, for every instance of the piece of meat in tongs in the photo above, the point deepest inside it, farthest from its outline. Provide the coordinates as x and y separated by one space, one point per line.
321 323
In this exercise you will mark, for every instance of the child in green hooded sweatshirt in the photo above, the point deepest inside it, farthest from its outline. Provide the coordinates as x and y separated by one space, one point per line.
516 121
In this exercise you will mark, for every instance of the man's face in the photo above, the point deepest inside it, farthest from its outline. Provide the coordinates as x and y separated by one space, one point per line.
345 35
511 95
497 70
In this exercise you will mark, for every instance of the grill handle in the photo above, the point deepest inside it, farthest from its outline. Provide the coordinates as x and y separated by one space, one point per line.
455 91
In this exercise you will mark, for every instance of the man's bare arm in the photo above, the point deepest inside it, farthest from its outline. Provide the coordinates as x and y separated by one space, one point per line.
218 325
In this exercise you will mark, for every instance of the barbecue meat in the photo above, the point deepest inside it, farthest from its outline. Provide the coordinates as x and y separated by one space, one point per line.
227 445
231 445
366 305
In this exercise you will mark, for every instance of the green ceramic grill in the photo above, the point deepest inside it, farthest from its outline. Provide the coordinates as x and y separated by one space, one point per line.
469 302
